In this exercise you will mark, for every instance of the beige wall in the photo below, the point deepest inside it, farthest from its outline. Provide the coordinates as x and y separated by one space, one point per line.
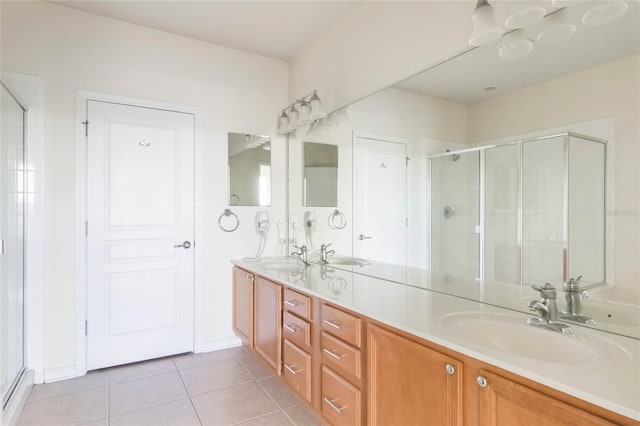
610 90
236 91
377 44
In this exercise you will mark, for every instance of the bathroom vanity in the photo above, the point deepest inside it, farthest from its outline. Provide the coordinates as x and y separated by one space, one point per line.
362 350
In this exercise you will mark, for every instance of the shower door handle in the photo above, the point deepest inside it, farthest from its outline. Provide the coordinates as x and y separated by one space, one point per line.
363 237
185 245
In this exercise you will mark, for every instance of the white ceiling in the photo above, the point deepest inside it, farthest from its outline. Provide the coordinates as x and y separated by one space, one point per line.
278 29
463 78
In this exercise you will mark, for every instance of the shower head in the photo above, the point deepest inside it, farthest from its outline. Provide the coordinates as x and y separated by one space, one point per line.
454 157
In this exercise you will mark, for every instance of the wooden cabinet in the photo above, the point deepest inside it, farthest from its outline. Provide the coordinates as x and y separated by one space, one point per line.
243 305
268 322
410 384
504 402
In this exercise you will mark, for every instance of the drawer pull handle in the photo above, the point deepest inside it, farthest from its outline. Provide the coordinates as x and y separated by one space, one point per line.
291 370
290 303
334 406
332 324
289 328
333 354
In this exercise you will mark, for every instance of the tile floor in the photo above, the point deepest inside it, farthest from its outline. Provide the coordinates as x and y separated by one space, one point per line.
227 387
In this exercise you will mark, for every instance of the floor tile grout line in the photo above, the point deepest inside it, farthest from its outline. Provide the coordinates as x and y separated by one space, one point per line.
289 417
254 418
30 401
269 395
188 394
151 406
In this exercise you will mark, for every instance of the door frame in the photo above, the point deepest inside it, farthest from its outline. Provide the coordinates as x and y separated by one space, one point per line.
82 98
389 139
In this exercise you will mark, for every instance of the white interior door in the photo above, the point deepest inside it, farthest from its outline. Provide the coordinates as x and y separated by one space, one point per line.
380 200
140 185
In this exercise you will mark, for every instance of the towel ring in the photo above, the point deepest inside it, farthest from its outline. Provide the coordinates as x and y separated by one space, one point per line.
228 213
337 220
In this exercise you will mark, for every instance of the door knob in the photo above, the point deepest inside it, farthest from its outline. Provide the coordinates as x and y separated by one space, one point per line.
185 245
363 237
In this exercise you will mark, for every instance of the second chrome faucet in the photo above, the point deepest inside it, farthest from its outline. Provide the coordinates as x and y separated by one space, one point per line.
547 310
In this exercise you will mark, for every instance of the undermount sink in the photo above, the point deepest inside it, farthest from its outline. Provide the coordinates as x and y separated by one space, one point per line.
510 334
352 261
282 264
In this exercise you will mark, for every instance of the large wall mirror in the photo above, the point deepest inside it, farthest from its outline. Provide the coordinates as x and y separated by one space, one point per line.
249 170
488 168
320 183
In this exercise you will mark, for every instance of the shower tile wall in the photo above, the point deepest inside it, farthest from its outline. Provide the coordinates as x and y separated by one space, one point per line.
502 187
542 216
586 210
455 200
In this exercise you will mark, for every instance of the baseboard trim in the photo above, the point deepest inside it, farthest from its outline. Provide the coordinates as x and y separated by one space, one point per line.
217 345
12 411
57 374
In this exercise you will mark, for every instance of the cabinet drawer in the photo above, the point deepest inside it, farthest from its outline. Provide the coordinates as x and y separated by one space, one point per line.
343 325
341 401
297 370
297 303
341 357
297 330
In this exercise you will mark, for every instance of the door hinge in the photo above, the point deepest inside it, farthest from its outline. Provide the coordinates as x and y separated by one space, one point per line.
86 127
406 222
407 161
86 328
86 228
2 248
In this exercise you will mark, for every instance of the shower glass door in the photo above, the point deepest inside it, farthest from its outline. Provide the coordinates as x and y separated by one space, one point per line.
12 191
455 214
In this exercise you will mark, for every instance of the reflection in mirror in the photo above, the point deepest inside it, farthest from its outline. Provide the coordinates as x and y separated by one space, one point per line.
547 215
249 170
320 175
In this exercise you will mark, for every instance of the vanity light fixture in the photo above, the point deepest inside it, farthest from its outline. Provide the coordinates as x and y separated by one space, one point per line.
283 122
604 13
557 29
305 110
293 118
525 14
485 30
515 46
317 112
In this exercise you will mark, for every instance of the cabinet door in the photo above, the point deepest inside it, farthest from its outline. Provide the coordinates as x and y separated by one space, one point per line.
504 402
243 305
268 322
409 383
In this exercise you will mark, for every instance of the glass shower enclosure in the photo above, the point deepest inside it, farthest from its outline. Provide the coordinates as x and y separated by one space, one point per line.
527 212
12 232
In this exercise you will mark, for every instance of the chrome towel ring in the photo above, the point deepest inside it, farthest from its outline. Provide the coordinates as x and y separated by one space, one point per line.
337 220
228 213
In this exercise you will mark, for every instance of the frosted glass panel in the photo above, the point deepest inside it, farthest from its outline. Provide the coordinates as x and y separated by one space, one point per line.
502 189
542 211
455 214
12 232
586 210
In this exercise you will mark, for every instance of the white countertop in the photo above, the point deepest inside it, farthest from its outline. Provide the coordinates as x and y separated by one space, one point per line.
609 377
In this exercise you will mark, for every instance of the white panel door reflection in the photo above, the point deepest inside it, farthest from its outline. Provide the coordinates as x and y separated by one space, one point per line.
140 207
380 200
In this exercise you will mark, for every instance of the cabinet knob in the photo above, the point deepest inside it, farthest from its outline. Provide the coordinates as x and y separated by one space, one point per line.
482 382
450 369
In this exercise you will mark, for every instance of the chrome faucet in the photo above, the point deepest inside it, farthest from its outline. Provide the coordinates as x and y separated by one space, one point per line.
547 310
302 256
324 254
574 297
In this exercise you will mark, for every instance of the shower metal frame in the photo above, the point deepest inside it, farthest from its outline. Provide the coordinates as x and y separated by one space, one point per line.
6 398
482 191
